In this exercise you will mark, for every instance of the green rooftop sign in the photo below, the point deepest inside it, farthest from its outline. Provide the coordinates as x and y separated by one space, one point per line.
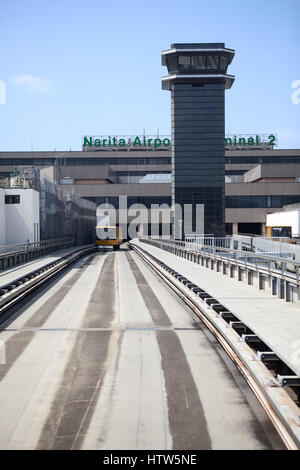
164 142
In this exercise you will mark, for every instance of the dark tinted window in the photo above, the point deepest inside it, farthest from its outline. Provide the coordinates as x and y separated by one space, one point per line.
172 63
184 62
12 199
281 232
263 159
212 62
223 62
198 62
244 202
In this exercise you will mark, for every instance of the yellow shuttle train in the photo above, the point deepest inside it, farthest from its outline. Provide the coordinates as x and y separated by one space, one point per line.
111 236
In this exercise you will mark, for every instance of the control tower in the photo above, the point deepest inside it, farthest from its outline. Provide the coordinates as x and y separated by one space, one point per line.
197 80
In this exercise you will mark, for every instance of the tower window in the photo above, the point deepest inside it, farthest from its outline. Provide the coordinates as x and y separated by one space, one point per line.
223 62
184 62
212 62
198 62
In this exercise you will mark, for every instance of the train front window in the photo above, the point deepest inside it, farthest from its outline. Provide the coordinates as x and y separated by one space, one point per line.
111 233
281 232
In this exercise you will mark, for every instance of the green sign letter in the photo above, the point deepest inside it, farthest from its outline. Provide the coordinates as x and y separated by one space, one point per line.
86 141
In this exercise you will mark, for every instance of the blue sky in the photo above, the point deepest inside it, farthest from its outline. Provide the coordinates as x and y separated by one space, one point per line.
74 68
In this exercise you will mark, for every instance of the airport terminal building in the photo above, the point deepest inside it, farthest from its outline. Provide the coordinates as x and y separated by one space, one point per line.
235 180
257 180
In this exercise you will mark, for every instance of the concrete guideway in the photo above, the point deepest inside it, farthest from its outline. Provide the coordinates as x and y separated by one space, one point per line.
109 358
256 367
275 321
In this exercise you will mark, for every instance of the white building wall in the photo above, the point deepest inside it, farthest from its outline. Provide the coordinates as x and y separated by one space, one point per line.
2 218
288 218
23 219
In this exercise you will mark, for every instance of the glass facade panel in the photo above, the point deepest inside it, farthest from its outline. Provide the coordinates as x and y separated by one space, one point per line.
184 62
223 62
144 161
264 159
248 202
212 62
87 161
198 62
199 180
172 63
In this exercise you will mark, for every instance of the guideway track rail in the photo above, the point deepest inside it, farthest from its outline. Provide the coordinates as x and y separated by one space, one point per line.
20 288
278 405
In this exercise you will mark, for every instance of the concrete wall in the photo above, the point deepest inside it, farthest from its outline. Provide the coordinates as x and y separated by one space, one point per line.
272 171
65 214
262 189
248 215
49 172
88 172
115 190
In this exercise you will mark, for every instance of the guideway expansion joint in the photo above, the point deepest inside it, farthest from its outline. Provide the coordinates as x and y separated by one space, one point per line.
277 403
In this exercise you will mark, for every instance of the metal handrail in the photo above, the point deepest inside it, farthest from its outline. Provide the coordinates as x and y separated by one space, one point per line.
239 257
218 249
24 247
